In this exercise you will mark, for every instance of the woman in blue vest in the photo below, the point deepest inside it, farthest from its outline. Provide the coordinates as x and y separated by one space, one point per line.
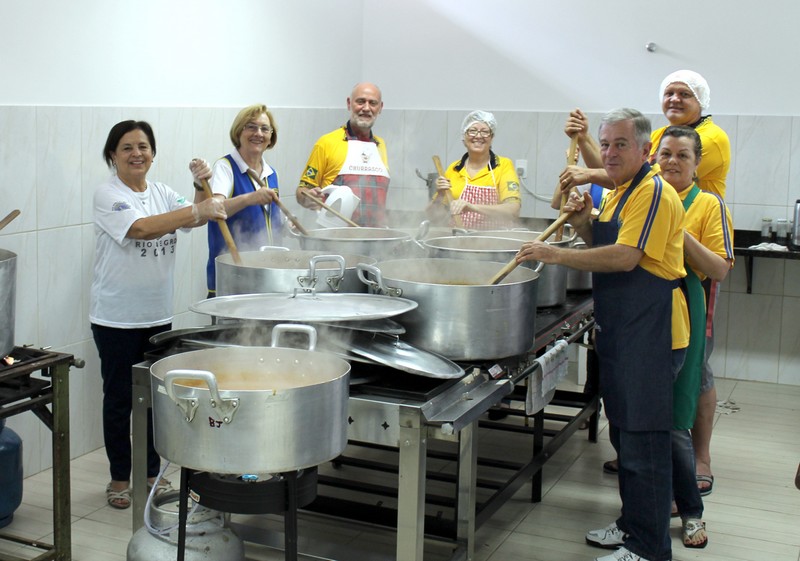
253 217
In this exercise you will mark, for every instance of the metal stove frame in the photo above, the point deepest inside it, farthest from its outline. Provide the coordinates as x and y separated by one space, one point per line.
40 394
408 426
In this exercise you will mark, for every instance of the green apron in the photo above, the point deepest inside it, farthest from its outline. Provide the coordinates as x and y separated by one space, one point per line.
686 389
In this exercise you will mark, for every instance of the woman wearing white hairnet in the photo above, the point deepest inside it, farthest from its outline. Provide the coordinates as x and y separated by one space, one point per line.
483 185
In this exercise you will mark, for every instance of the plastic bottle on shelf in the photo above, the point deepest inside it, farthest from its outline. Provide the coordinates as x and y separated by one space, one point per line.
766 229
781 229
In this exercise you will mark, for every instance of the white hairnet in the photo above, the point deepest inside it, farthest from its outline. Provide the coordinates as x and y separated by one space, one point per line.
479 116
694 81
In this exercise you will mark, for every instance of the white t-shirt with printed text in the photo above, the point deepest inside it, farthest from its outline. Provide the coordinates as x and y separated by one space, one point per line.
133 279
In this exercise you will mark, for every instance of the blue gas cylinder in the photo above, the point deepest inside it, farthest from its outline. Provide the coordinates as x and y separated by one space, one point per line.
10 473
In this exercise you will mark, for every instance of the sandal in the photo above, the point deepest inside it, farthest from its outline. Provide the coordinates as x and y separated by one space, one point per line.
118 499
162 486
705 490
694 528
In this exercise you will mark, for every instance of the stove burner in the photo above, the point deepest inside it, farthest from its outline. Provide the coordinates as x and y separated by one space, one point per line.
22 356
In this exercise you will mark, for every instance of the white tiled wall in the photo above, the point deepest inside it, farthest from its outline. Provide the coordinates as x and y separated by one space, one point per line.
50 163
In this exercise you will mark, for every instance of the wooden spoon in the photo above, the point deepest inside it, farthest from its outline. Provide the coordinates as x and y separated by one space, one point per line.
11 216
448 197
223 227
329 208
504 272
292 218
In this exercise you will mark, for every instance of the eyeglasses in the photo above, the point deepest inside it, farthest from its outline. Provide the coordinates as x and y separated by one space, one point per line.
473 133
253 128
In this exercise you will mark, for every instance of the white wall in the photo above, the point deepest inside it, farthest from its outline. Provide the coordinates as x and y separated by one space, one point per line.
71 70
183 53
531 55
550 56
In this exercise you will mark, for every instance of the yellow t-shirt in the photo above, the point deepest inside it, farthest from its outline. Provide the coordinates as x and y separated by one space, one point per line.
653 220
710 223
503 177
715 158
328 156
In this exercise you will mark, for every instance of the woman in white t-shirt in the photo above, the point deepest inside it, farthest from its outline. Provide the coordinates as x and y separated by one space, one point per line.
131 295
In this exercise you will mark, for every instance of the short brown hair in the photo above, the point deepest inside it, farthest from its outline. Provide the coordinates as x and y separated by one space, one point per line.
248 114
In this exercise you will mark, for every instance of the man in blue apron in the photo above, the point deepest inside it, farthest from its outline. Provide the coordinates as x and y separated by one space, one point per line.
636 257
351 155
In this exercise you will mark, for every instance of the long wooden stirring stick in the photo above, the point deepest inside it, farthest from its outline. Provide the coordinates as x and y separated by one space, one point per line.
223 227
11 216
292 218
572 156
305 193
504 272
448 197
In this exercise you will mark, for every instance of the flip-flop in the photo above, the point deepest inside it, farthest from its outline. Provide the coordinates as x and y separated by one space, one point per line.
691 527
118 499
705 479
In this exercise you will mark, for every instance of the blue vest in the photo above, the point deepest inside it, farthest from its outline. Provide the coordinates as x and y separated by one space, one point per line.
252 227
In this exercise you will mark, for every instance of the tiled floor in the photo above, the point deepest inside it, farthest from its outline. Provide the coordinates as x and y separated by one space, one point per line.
752 515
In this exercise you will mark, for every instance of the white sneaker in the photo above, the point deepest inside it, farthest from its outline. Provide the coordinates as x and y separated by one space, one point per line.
621 554
609 537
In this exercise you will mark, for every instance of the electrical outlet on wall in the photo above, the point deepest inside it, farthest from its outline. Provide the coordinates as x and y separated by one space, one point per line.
522 168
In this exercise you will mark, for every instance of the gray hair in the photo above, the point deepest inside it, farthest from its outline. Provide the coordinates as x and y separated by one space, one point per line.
641 124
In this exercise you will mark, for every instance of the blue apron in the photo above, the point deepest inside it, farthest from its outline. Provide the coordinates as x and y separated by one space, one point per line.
633 312
252 227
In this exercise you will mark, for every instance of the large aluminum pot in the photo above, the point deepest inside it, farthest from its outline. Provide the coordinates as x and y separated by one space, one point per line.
8 300
380 243
250 409
460 316
578 280
503 245
415 247
283 271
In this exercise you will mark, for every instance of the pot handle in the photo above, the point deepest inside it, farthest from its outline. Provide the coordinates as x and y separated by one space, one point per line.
424 228
272 248
226 407
282 328
539 267
377 285
333 281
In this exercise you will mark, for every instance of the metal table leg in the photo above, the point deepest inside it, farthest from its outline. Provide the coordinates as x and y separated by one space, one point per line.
141 403
61 484
411 487
467 487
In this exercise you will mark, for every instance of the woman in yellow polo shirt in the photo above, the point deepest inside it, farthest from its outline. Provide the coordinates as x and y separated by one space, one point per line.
484 186
708 248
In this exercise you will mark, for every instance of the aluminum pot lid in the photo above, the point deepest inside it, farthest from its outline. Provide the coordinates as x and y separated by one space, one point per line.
323 307
391 351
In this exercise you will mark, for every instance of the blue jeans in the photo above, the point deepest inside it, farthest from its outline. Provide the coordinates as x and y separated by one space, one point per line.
684 481
645 487
645 484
